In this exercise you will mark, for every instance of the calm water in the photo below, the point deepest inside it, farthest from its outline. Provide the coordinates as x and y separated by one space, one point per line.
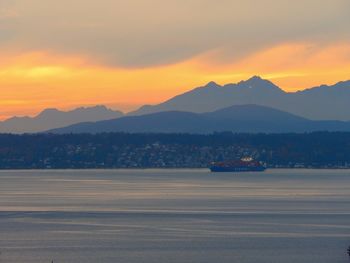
182 216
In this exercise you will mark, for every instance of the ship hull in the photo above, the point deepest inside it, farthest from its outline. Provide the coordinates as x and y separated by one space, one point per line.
219 169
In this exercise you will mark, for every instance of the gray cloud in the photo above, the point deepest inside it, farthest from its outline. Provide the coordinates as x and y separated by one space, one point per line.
138 33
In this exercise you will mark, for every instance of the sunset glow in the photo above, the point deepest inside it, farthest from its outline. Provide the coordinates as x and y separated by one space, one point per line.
31 82
65 54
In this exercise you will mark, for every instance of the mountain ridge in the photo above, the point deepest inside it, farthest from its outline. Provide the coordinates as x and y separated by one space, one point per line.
324 102
239 118
51 118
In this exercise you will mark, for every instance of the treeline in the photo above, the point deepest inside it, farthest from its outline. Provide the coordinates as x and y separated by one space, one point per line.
122 150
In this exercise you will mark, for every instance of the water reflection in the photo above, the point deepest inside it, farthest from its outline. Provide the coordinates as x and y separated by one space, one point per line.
174 216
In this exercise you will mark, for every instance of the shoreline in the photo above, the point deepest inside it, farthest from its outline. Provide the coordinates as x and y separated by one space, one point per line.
172 169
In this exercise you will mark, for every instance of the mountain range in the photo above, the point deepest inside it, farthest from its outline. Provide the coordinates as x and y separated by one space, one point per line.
318 103
239 118
53 118
324 107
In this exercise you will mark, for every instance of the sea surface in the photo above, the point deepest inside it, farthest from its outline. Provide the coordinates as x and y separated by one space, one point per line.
174 216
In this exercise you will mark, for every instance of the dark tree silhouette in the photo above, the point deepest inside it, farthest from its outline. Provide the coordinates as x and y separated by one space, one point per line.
122 150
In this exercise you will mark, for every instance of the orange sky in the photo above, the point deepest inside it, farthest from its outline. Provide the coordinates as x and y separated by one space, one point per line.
33 81
127 53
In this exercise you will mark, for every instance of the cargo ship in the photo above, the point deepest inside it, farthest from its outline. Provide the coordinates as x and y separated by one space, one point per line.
242 165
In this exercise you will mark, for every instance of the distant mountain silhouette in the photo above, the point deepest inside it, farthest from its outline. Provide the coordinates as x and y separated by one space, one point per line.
241 118
318 103
53 118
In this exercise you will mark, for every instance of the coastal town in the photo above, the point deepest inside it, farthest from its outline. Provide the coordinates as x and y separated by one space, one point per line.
172 150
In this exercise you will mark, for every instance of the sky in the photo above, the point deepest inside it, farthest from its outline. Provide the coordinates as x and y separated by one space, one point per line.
126 53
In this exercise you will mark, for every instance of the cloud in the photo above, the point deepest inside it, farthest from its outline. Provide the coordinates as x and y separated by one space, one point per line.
142 33
7 14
